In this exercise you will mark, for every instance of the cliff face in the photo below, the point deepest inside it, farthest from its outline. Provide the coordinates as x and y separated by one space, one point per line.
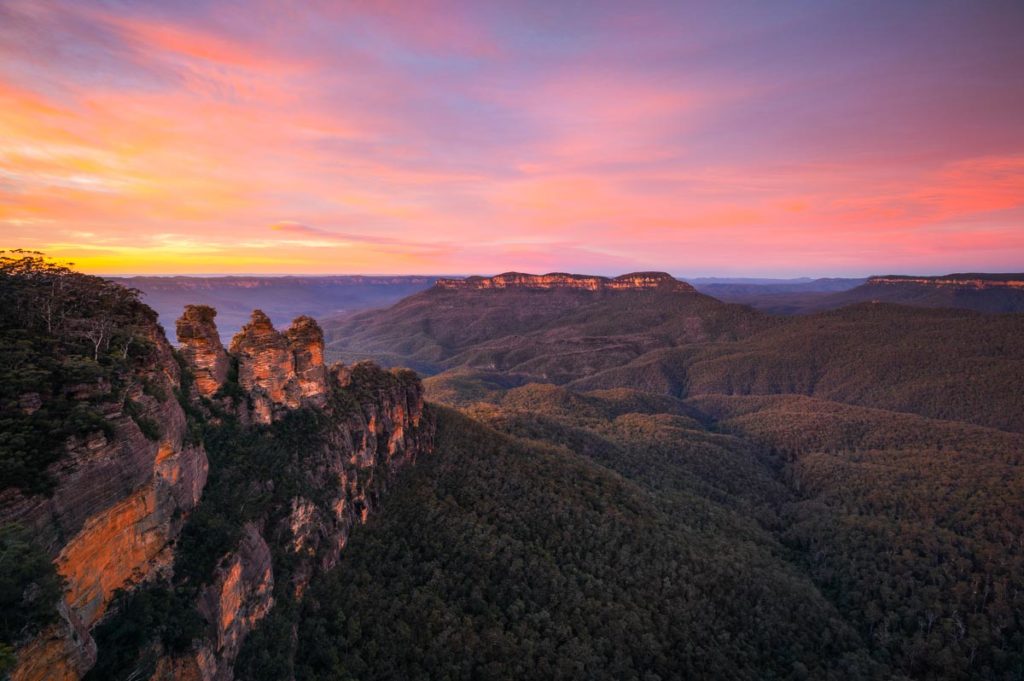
240 596
637 281
123 499
280 370
306 343
119 503
374 426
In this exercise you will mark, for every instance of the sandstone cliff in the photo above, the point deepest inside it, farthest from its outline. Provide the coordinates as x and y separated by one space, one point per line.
124 500
280 371
963 281
373 425
636 281
120 500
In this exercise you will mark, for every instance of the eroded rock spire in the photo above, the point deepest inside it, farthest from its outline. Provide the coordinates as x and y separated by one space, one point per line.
201 347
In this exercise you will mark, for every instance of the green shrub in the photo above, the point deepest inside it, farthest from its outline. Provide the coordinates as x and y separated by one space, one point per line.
29 590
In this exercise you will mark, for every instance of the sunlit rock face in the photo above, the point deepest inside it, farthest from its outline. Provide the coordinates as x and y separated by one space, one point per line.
199 343
265 362
965 281
120 502
280 370
306 342
637 281
240 595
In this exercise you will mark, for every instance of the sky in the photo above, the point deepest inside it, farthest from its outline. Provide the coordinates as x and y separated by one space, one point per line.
720 138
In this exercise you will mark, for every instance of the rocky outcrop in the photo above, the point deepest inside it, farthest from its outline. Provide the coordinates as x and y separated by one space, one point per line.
120 501
280 371
240 595
199 343
61 652
636 281
306 343
375 425
122 498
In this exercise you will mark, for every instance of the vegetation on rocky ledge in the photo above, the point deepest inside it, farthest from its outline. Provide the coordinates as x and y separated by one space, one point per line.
68 344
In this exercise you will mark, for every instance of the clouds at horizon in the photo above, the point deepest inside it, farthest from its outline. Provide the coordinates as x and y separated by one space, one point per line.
718 138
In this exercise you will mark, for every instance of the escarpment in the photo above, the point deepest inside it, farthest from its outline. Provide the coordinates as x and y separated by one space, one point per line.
220 506
963 281
302 454
120 499
636 281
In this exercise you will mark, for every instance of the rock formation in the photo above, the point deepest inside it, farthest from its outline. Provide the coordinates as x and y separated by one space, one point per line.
123 498
240 595
382 429
636 281
280 370
199 343
306 342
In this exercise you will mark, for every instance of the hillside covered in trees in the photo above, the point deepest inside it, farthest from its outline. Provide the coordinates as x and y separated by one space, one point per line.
874 451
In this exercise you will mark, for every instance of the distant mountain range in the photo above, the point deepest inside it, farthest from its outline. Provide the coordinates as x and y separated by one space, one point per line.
799 284
776 296
285 298
546 327
875 450
979 292
677 341
281 298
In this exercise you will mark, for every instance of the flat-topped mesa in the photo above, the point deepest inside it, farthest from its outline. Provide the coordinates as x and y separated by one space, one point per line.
966 281
199 343
280 369
636 281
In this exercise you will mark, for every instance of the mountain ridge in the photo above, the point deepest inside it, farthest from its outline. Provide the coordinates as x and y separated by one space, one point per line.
634 281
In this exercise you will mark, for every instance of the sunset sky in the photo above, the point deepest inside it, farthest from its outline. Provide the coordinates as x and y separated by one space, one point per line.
718 138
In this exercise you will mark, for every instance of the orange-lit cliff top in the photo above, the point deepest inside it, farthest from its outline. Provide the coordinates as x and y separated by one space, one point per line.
965 280
561 280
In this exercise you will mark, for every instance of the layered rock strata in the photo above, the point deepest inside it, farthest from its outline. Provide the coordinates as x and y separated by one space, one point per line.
120 501
375 426
280 370
965 281
636 281
199 343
